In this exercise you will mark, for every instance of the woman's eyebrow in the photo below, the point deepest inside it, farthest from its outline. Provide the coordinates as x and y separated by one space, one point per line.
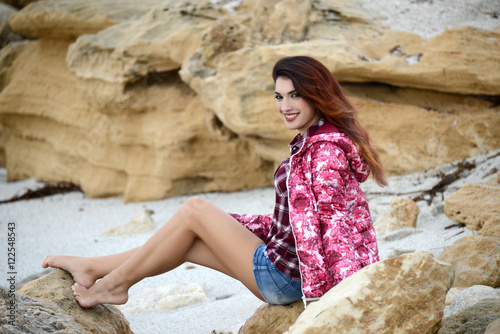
290 92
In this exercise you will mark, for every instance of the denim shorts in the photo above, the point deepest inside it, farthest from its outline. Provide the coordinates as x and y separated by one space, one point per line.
276 287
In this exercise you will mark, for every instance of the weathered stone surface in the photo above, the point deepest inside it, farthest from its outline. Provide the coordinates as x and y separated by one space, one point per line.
475 260
473 320
245 104
474 205
402 212
142 223
401 295
47 305
68 19
154 129
470 296
163 152
272 319
493 328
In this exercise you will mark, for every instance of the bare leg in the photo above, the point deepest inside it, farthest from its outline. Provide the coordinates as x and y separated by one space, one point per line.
194 228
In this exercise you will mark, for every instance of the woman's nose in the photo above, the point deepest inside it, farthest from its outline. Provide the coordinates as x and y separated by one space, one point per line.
285 106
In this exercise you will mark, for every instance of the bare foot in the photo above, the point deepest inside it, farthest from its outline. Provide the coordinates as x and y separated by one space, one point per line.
105 291
79 267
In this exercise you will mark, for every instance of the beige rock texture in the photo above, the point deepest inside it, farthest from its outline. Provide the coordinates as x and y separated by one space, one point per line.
142 223
405 294
402 212
475 205
272 319
161 98
493 327
473 320
475 260
47 305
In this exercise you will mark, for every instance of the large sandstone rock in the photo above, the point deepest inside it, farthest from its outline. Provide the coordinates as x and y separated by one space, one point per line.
47 305
163 152
475 260
400 295
272 319
68 19
245 106
159 98
474 205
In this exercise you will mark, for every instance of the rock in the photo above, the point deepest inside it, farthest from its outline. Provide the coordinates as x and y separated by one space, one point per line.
18 3
469 297
400 295
6 34
474 205
402 212
475 260
54 19
143 223
165 298
272 319
493 328
491 228
473 320
47 305
170 153
161 98
452 294
244 107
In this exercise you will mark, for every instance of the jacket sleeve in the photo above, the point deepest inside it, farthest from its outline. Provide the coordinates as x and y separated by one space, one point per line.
260 225
333 193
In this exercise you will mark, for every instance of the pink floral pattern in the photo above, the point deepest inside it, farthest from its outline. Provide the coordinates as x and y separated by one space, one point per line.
329 213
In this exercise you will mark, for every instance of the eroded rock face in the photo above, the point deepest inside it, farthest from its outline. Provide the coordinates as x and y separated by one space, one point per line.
475 205
160 98
400 295
475 260
47 305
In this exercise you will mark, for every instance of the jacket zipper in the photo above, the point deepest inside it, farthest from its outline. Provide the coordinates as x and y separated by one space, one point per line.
291 225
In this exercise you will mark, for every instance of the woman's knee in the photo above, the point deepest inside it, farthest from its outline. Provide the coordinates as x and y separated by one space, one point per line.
194 207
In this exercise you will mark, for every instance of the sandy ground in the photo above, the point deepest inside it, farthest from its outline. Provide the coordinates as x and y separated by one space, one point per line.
72 224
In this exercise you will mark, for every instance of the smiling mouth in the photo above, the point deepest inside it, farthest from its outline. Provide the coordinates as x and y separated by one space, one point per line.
290 117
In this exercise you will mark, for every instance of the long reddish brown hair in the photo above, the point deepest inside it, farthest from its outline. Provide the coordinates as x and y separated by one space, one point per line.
316 84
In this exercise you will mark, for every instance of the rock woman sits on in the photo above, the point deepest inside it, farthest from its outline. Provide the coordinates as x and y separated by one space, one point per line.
320 232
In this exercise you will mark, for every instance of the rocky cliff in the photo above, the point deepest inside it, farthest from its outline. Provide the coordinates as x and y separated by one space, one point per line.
160 98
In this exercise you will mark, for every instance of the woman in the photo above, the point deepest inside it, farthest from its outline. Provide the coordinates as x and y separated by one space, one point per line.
320 233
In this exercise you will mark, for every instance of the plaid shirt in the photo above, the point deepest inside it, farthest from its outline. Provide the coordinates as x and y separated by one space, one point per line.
281 246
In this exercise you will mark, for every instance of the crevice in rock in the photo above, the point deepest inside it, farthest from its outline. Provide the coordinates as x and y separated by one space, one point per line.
153 79
429 100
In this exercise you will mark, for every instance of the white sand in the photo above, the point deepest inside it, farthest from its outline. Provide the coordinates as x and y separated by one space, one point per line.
72 224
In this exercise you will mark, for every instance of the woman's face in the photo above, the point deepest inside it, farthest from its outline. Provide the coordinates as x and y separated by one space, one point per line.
297 113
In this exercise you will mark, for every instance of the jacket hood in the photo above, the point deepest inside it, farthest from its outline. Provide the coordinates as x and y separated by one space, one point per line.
329 132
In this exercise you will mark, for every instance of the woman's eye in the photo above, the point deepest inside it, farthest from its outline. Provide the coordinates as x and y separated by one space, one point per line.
278 97
296 95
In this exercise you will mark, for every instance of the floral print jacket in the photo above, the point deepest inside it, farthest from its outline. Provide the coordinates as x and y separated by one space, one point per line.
329 213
